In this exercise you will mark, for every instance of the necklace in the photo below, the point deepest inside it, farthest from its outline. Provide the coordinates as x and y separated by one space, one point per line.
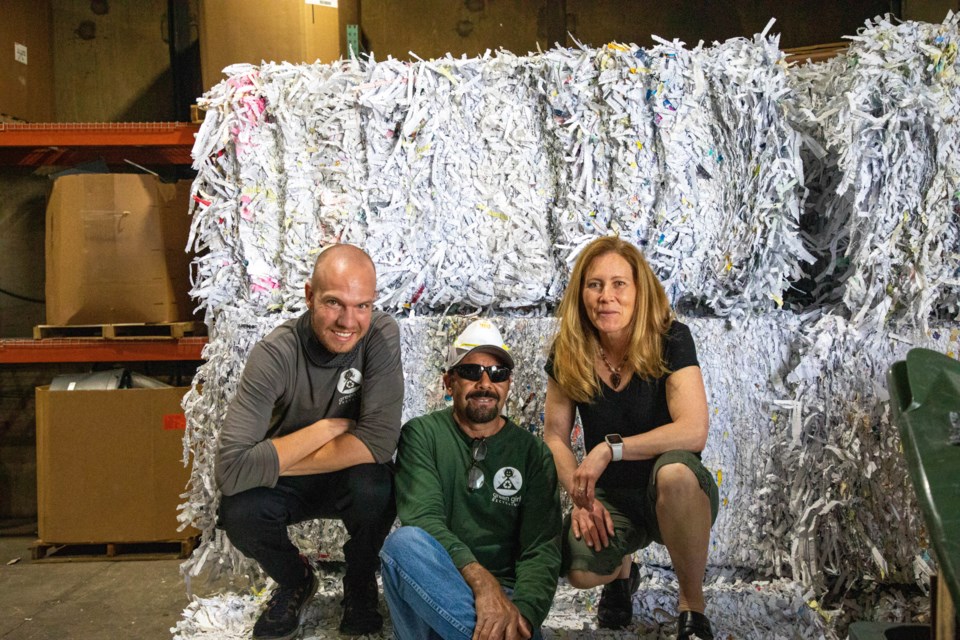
615 377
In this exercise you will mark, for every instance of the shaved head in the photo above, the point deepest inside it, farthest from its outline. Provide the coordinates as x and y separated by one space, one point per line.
341 258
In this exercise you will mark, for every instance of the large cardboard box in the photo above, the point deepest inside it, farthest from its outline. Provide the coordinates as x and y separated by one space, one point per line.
26 60
109 465
115 250
279 31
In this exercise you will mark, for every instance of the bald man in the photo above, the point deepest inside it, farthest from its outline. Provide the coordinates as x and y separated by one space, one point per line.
310 434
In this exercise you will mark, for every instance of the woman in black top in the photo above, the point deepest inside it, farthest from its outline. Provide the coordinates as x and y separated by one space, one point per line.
631 371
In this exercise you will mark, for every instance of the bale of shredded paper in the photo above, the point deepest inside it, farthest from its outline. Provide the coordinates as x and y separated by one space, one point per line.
837 476
882 133
689 155
473 182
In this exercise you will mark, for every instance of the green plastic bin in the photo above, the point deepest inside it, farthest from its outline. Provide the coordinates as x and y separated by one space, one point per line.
925 405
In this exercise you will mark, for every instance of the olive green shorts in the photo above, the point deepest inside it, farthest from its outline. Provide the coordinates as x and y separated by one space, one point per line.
634 516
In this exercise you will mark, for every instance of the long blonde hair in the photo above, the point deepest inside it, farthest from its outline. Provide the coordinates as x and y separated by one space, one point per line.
577 340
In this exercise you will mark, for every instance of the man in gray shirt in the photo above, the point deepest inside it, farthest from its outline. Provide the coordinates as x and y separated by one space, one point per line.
310 434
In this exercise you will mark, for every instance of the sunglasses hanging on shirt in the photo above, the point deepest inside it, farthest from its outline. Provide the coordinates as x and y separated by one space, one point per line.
478 450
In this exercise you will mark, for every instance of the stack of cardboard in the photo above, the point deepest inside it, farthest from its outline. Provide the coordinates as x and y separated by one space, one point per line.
115 250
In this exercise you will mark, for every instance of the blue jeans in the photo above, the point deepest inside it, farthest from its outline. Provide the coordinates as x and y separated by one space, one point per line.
427 596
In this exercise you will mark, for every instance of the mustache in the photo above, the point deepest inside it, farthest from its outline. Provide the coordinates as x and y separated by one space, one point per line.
484 393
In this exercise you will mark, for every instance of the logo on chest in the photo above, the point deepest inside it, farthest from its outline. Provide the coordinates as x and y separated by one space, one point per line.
349 383
506 484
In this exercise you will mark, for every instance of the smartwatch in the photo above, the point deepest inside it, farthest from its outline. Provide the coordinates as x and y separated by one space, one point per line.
616 446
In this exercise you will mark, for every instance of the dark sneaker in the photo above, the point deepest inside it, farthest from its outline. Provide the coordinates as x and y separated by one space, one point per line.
692 625
360 614
615 610
281 619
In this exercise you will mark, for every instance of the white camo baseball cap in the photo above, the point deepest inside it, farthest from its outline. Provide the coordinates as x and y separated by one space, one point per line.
483 336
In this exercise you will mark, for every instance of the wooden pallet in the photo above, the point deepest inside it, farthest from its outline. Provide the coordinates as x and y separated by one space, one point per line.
815 53
158 550
124 331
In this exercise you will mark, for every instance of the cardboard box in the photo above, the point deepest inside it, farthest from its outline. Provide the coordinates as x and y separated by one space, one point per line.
277 31
115 250
26 60
109 465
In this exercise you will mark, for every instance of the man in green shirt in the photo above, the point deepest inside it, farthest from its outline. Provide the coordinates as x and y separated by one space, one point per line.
479 549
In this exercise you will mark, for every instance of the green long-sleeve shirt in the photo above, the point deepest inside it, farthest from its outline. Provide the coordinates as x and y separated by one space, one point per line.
511 525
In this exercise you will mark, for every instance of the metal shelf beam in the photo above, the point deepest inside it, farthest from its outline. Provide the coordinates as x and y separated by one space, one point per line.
25 351
67 143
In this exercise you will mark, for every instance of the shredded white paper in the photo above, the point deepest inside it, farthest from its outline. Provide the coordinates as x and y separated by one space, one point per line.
880 122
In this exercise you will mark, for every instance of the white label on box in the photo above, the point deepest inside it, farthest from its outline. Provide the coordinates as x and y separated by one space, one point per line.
20 52
323 3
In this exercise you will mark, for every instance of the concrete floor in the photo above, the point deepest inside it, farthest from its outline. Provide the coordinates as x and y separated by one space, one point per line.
144 599
88 600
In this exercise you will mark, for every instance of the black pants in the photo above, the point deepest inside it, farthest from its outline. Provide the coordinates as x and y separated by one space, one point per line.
362 496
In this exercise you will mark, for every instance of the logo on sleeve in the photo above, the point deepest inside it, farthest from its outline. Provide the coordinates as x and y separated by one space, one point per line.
350 381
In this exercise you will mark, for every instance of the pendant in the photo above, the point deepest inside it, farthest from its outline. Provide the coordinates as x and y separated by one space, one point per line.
615 379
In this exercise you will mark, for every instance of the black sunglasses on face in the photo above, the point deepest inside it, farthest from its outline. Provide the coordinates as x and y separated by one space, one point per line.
473 372
478 451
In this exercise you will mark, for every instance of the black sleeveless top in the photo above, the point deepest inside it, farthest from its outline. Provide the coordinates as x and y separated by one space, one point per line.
640 407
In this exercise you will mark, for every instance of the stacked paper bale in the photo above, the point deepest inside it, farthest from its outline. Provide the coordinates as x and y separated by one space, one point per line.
882 121
689 155
456 208
321 163
881 140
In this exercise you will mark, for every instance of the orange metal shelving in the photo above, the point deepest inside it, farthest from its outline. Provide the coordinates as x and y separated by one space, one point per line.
26 351
69 143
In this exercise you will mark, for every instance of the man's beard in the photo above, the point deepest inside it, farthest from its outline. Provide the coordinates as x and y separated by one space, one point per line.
482 415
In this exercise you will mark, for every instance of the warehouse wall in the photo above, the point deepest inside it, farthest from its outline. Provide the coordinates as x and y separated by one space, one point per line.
431 28
928 10
21 251
21 272
799 23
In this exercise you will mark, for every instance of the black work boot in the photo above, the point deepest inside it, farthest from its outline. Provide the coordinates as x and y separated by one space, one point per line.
281 619
360 614
615 610
691 625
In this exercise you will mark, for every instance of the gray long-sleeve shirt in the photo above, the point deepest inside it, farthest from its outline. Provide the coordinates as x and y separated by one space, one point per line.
290 381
